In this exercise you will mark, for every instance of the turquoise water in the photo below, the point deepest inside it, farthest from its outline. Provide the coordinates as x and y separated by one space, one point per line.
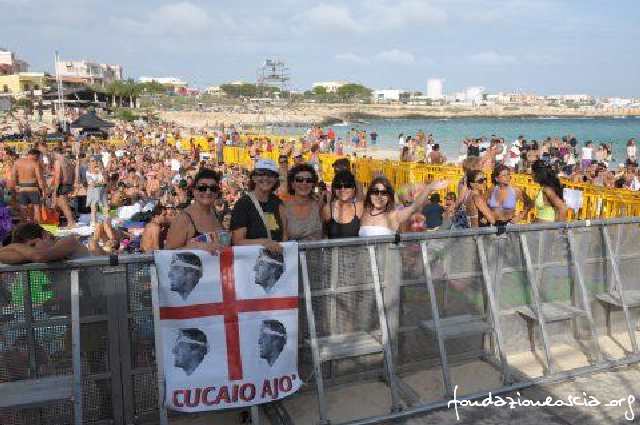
450 132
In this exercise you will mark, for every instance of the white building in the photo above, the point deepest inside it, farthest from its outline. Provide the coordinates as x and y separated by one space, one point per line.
90 72
390 95
474 95
171 83
330 86
10 64
214 91
619 102
435 88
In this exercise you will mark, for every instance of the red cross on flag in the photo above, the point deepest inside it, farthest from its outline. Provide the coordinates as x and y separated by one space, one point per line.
228 326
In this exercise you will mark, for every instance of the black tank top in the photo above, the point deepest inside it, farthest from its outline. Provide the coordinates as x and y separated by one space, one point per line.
337 230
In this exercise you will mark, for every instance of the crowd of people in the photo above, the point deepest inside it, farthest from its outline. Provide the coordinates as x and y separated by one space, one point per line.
146 194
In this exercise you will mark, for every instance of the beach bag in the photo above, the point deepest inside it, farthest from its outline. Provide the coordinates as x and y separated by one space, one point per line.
49 216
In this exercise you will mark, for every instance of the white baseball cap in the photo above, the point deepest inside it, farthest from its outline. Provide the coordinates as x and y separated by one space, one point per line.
266 164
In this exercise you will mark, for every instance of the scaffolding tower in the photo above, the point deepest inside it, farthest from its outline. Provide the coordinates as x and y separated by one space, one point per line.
274 73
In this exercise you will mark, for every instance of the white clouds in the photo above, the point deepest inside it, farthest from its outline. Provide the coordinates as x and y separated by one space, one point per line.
401 14
176 19
396 56
502 11
393 56
492 58
352 58
329 17
184 15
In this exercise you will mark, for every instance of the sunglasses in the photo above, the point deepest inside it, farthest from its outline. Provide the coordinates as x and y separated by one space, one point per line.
304 180
379 192
344 186
204 188
264 174
480 181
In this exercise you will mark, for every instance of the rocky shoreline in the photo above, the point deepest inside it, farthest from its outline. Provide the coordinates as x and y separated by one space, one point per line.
331 114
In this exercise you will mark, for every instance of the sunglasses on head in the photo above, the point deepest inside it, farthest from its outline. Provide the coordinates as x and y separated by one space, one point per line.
204 188
304 180
380 192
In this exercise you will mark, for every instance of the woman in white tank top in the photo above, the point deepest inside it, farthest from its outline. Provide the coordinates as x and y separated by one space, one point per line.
380 217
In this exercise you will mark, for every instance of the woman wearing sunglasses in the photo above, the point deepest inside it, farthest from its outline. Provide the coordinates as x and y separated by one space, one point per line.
300 213
478 212
342 212
504 197
380 217
196 226
255 219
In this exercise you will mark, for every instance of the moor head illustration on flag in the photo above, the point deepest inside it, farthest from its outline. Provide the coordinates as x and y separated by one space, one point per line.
190 348
268 269
273 338
185 271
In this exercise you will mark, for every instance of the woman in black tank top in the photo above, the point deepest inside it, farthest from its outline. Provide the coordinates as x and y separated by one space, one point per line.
342 216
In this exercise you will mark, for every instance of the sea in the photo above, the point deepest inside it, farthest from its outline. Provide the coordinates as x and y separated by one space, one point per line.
449 132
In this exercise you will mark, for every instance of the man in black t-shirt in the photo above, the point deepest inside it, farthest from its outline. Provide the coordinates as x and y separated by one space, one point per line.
245 215
246 223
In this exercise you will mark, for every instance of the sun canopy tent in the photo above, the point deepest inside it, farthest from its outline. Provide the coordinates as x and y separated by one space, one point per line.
91 122
91 125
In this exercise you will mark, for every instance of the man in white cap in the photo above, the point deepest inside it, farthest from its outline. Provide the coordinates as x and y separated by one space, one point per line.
255 219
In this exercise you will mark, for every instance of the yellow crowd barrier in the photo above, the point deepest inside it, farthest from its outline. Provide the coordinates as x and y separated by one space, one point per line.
598 202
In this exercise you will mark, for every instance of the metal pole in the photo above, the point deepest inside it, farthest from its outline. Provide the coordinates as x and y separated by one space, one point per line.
60 109
436 319
164 420
75 347
313 339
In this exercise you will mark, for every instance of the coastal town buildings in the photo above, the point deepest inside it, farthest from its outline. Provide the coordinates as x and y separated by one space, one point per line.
10 64
435 89
214 91
330 86
390 95
89 72
172 84
24 83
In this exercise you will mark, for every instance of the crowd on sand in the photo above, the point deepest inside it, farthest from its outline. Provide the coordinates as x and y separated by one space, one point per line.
80 196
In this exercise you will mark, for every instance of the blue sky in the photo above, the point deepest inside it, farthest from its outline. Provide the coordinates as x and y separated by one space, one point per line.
544 46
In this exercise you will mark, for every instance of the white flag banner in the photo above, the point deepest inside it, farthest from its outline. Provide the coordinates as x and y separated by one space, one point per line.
228 326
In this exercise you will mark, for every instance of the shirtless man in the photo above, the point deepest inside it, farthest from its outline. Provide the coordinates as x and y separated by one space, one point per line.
27 175
435 156
62 185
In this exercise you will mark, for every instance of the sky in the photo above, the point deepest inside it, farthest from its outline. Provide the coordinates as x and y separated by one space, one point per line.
541 46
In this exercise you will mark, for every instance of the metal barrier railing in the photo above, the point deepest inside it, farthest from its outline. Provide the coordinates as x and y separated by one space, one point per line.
388 328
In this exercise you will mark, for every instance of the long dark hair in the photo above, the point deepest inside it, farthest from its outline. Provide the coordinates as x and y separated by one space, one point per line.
471 177
545 176
345 178
499 168
391 199
291 175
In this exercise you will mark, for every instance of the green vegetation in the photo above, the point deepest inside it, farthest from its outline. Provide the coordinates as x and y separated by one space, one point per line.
351 92
249 90
23 103
126 114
